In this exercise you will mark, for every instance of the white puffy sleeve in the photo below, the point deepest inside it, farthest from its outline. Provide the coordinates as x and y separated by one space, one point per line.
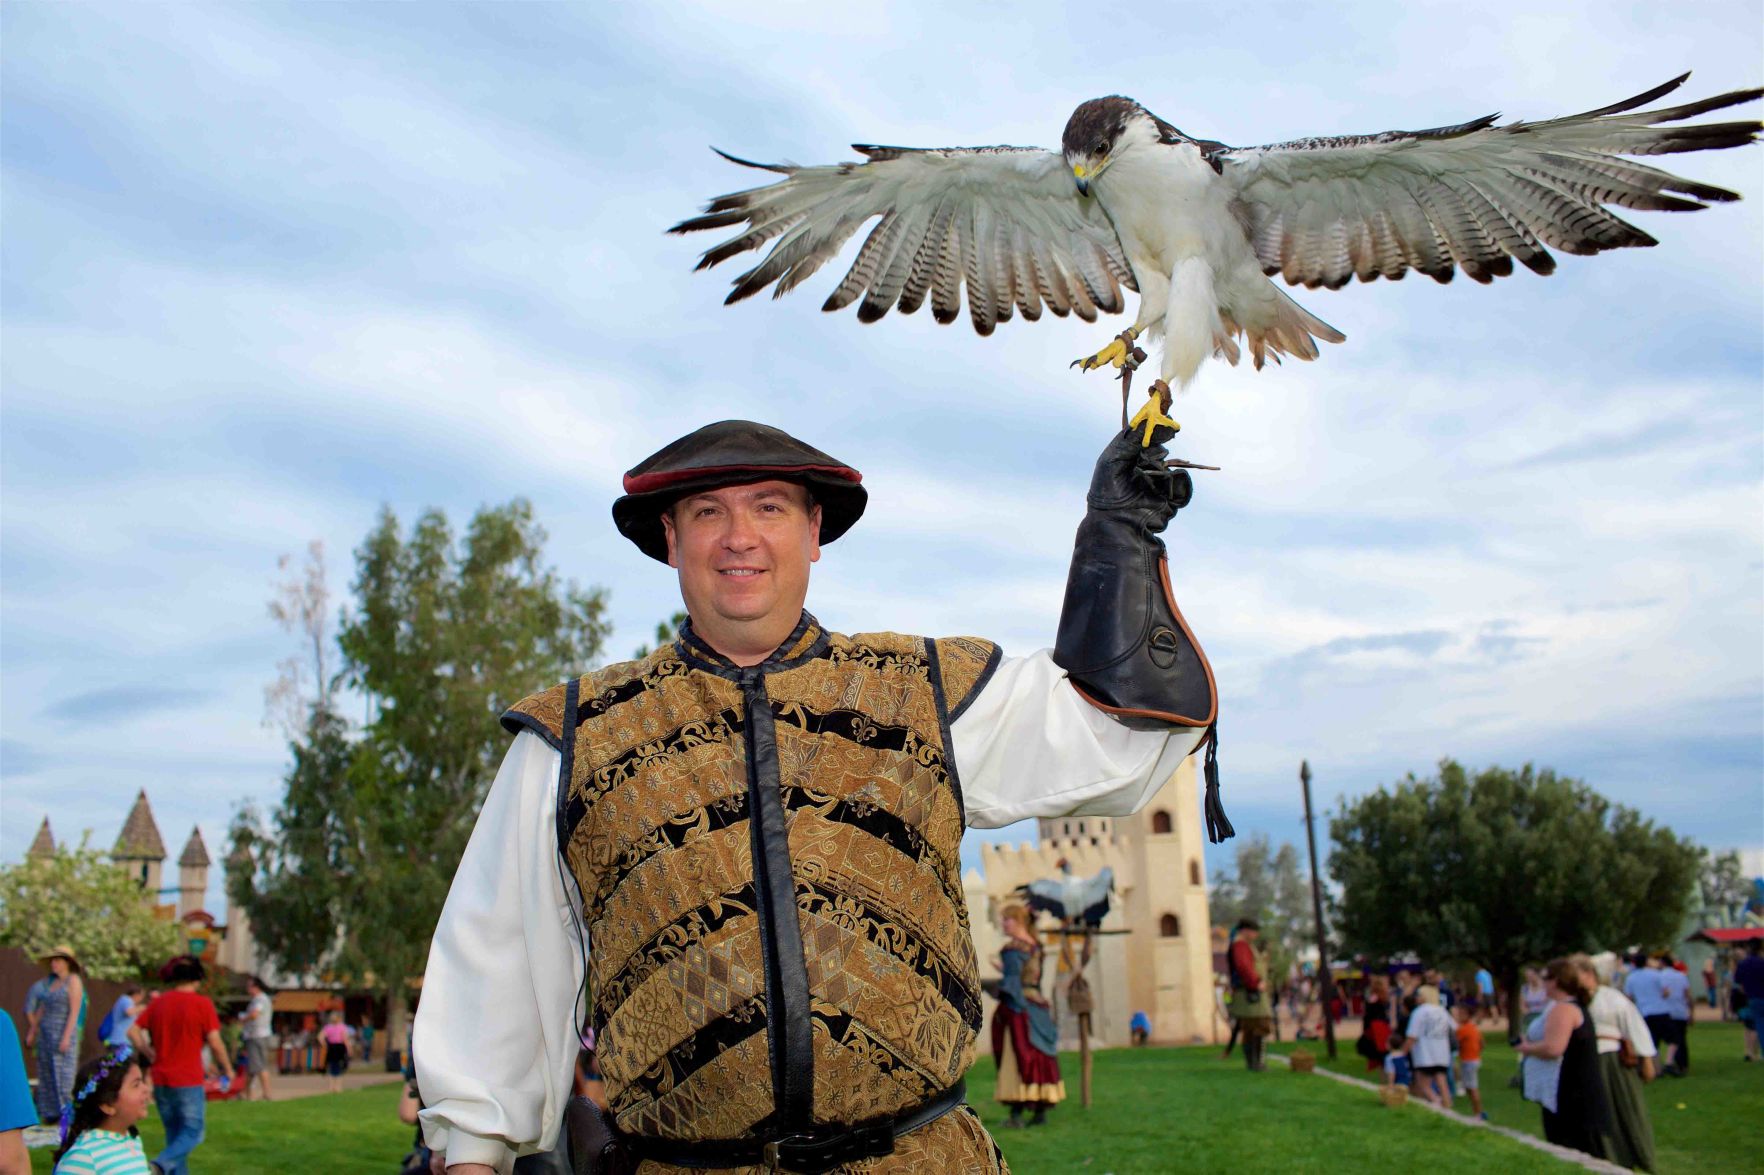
1029 745
495 1039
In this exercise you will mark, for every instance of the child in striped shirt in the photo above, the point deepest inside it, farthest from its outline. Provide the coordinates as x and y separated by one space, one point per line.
98 1135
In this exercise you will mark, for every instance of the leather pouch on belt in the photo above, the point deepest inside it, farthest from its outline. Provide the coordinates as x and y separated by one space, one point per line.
594 1149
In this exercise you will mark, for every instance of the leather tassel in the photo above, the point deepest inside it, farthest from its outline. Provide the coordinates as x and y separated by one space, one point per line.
1218 824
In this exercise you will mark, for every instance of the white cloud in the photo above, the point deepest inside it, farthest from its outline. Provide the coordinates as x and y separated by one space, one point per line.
268 269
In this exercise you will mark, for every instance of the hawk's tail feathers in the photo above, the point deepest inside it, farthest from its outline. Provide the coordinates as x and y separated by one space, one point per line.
1293 332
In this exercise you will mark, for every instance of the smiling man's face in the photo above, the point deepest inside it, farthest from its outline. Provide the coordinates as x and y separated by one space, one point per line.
743 554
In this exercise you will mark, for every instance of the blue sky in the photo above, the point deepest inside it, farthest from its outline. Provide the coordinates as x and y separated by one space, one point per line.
269 267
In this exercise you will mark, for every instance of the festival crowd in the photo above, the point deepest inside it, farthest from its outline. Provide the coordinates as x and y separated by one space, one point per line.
163 1049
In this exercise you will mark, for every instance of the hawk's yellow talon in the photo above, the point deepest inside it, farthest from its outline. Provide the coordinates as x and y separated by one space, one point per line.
1153 414
1115 354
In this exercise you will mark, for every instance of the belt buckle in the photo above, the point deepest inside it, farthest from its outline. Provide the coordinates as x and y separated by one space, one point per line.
772 1152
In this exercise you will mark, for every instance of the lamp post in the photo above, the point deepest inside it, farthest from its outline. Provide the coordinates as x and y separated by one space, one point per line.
1317 913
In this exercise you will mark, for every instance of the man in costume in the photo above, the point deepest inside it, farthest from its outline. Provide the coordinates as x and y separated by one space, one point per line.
1025 1043
743 849
1251 1009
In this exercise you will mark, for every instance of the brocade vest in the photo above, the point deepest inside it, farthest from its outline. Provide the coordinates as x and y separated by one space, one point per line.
768 861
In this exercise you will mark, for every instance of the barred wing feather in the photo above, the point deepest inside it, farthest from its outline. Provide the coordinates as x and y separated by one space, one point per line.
1475 196
1006 222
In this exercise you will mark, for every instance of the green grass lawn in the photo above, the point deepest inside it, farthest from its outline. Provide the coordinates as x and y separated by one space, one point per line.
351 1132
1163 1110
1706 1122
1155 1110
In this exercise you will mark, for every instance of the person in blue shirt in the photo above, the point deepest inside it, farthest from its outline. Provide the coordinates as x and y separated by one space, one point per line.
17 1111
123 1015
1646 986
1748 976
1676 986
1485 994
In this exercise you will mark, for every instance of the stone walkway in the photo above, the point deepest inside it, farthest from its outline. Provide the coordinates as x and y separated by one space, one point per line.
284 1087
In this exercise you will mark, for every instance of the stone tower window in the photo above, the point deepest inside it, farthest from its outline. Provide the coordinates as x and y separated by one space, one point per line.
1169 926
1160 821
1194 873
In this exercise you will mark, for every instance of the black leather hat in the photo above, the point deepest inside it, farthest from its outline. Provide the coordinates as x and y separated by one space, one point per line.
733 452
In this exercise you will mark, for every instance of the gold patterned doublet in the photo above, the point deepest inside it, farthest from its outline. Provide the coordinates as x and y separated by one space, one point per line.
701 987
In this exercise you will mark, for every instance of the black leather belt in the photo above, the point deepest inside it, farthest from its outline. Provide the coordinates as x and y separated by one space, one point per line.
809 1152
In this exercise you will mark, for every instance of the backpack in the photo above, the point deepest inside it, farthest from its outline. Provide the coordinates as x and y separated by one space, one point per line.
107 1025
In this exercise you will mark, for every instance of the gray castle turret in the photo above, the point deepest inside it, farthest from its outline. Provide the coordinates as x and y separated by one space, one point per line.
139 848
192 873
43 845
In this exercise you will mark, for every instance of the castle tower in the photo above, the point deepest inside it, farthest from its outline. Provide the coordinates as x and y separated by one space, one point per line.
192 873
1169 955
43 845
238 951
139 848
1162 964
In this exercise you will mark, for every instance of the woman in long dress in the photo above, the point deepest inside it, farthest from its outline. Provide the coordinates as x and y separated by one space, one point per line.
1025 1043
57 1011
1617 1023
1561 1070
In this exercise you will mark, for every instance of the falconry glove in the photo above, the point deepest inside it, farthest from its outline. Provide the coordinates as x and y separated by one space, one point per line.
1122 641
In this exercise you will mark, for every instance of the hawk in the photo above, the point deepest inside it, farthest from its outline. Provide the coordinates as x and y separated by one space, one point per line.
1199 228
1084 900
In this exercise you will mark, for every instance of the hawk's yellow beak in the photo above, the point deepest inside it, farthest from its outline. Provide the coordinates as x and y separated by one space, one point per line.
1081 177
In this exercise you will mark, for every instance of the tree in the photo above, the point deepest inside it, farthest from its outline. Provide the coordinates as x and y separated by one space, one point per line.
1504 869
1725 887
1266 885
443 637
665 633
78 897
304 682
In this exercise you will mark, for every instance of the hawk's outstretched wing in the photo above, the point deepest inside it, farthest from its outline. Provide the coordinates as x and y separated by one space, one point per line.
1006 220
1325 211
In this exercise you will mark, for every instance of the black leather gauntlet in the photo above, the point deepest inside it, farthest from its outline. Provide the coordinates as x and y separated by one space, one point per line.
1122 641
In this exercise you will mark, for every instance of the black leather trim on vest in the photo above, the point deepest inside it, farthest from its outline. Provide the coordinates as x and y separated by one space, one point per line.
790 1036
514 722
943 723
699 655
567 804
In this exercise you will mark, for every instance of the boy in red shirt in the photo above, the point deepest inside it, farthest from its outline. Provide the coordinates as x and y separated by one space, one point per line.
1469 1055
171 1033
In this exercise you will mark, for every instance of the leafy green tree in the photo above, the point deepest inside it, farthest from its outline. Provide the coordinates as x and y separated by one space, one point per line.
286 888
665 633
443 636
1725 887
1265 884
1504 868
78 897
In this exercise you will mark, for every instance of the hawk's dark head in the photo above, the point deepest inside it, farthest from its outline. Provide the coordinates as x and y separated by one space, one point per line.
1095 134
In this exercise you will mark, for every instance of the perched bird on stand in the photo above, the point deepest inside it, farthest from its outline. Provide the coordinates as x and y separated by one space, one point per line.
1083 900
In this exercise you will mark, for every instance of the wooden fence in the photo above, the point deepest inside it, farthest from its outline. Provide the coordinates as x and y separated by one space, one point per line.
19 970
